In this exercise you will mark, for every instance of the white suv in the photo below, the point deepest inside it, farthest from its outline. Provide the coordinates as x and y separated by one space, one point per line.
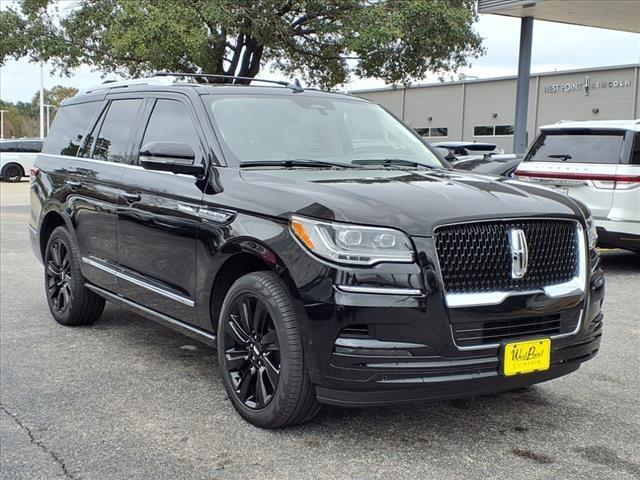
597 162
17 157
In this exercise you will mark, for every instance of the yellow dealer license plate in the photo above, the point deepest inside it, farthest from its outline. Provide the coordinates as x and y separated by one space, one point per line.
526 357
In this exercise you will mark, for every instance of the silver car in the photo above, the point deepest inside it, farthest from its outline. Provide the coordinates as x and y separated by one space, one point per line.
598 163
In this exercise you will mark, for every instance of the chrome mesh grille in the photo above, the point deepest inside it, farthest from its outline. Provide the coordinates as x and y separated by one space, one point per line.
476 257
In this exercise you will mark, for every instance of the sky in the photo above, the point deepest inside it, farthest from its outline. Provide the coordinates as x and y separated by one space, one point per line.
556 46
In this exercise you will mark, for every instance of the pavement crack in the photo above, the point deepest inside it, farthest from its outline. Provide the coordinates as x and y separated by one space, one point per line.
40 444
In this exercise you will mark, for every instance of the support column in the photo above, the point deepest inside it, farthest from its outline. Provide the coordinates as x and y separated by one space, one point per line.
522 88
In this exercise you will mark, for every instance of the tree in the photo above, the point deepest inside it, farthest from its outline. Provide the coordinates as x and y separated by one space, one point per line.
324 41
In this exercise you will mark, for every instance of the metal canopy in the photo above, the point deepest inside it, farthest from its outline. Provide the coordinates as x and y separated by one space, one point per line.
612 14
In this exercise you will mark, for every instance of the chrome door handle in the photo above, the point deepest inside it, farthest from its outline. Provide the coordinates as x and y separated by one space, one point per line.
73 184
131 197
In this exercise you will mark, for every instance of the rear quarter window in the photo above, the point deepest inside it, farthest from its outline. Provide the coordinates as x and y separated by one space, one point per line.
69 127
8 146
635 152
577 147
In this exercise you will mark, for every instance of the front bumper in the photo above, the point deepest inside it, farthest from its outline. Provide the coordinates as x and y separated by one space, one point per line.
443 379
407 351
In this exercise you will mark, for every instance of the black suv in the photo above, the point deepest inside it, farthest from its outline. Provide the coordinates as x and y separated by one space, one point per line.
313 238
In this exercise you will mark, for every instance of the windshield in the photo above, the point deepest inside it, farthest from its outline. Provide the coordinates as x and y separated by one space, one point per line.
577 147
263 128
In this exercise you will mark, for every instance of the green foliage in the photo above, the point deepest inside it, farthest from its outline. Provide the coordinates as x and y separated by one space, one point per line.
323 40
22 118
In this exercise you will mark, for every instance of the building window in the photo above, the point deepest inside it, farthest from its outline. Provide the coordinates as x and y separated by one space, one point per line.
433 132
492 130
504 129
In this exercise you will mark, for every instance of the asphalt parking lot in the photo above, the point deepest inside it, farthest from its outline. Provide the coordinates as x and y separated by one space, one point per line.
127 398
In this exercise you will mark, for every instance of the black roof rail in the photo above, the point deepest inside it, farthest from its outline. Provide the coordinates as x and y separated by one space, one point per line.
296 86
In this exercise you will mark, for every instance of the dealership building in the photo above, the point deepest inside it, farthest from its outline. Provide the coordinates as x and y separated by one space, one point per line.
483 110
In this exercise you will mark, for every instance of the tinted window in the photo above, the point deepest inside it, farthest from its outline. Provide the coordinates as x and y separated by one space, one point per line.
8 146
69 126
439 132
504 130
112 143
32 146
170 122
433 131
482 131
577 147
635 154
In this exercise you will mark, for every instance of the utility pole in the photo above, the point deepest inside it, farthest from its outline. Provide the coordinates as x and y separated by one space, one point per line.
41 100
2 112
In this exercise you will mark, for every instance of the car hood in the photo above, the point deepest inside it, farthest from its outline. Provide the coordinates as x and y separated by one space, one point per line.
415 201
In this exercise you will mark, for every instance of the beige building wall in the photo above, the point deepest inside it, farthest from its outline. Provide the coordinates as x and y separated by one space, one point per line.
600 95
483 101
390 99
589 94
435 107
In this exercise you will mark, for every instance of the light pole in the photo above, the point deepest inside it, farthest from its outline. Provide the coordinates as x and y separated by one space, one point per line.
48 107
2 112
41 100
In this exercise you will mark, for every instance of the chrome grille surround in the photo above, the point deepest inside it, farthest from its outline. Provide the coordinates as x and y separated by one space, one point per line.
575 286
496 293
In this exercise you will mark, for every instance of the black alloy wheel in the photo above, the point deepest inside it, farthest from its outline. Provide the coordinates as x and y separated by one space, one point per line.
261 355
70 301
252 351
58 276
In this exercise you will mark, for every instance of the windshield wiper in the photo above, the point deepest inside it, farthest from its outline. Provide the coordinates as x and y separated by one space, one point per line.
299 162
562 156
389 162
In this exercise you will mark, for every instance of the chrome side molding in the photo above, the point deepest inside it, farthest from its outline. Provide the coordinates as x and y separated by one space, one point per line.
97 263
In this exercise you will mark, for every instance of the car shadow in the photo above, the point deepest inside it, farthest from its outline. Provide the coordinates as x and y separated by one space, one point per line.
501 413
620 261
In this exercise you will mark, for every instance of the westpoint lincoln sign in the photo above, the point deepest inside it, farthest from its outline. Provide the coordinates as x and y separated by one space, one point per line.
585 86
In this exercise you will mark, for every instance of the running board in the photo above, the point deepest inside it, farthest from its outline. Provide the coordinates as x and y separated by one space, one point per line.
203 336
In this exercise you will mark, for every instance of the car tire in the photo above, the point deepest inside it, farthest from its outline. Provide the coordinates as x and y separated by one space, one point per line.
259 337
12 172
71 303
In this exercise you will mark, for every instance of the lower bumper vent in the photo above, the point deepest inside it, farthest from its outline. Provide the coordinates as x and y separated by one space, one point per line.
484 333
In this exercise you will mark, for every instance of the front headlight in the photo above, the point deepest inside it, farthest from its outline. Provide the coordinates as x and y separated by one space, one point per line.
592 233
353 244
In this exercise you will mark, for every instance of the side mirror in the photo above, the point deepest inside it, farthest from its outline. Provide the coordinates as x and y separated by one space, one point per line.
173 157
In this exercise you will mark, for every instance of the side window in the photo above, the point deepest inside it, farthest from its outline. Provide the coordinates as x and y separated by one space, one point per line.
8 146
170 122
635 152
69 126
113 142
31 147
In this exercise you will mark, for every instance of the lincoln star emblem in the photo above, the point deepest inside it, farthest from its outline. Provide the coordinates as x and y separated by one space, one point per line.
519 253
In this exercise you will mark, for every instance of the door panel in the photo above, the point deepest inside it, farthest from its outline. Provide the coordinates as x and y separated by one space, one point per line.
158 219
93 197
156 240
94 189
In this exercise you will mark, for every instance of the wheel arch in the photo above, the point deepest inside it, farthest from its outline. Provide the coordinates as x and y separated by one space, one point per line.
242 257
52 219
9 164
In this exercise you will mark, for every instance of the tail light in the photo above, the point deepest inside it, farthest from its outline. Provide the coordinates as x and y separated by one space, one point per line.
34 171
600 180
